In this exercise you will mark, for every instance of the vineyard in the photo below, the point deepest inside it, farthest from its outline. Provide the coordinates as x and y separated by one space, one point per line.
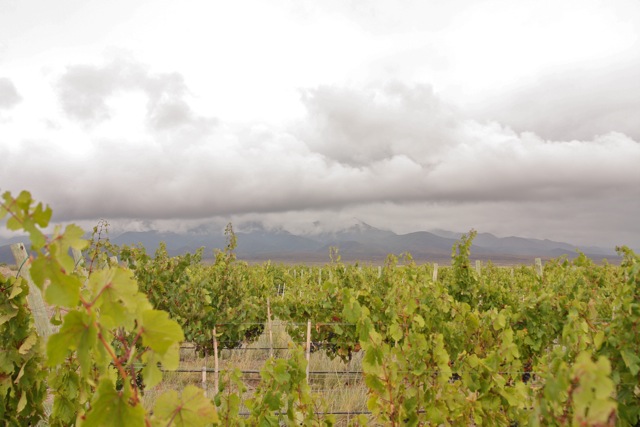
406 344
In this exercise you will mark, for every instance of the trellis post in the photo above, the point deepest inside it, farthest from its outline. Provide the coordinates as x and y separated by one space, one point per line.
216 371
270 329
539 267
308 347
34 299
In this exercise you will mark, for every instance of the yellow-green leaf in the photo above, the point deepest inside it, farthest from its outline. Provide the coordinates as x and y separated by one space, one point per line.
159 332
77 333
112 408
631 360
22 402
28 343
192 409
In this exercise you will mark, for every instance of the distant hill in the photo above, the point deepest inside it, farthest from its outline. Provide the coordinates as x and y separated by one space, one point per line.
6 257
358 242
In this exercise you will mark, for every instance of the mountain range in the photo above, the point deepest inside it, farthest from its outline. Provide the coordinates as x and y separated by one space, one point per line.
357 242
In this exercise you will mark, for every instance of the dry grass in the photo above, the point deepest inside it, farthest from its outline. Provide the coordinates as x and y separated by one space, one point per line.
340 391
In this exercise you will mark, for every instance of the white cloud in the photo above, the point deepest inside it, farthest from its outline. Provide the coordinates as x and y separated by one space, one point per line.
357 126
388 148
84 92
9 96
574 103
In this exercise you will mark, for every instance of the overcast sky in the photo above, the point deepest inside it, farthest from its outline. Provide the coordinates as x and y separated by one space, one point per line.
511 117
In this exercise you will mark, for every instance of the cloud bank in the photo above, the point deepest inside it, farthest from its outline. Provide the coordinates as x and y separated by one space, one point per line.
393 154
572 103
9 96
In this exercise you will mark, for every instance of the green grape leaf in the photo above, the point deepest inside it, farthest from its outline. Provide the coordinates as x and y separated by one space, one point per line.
598 340
442 360
500 322
17 289
115 293
24 199
28 343
395 332
42 216
171 358
14 224
22 403
352 311
419 320
631 360
77 333
72 238
373 357
280 373
151 375
64 410
192 409
8 315
600 410
112 408
63 290
159 332
39 272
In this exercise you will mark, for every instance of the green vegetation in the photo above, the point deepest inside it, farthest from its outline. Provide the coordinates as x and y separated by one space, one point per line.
22 380
498 346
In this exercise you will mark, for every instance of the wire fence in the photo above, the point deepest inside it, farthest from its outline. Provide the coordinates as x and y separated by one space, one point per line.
349 382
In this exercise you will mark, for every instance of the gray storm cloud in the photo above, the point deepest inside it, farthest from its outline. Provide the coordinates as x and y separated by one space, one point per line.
383 151
358 127
576 103
369 148
9 96
84 92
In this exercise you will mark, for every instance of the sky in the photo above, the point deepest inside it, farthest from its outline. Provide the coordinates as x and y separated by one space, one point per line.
510 117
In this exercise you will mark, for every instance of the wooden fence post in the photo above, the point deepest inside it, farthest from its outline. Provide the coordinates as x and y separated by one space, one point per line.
308 349
539 267
270 329
34 299
204 379
216 371
435 272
